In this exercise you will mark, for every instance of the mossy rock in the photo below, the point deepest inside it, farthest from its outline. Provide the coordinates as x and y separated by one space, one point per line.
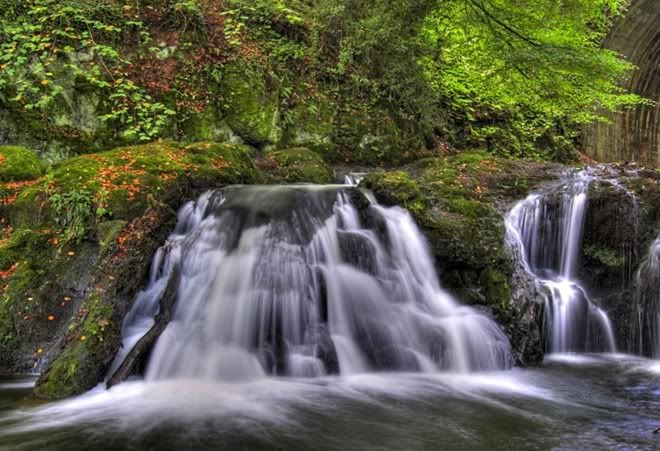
209 125
297 166
311 125
369 136
396 188
496 288
127 180
93 335
18 164
24 260
43 288
251 105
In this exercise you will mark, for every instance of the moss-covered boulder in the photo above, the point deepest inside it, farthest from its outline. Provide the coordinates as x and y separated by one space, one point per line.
298 165
311 124
42 286
208 125
397 188
122 183
367 135
251 105
93 334
19 164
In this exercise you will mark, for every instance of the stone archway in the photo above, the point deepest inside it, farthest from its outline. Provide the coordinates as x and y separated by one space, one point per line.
635 134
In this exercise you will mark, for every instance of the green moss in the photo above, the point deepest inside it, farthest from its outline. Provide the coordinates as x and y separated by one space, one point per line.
25 258
21 244
368 136
252 106
311 125
604 255
397 187
208 125
67 376
466 207
127 180
19 163
108 232
297 166
496 288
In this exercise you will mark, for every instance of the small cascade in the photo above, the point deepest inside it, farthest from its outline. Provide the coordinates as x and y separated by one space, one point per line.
544 232
646 321
354 178
297 281
140 318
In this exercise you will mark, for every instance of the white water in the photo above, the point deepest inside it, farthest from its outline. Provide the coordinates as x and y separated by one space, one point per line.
287 281
545 233
604 401
354 178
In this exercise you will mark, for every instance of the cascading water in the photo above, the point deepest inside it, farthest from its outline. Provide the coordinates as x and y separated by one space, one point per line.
545 233
354 178
298 281
646 323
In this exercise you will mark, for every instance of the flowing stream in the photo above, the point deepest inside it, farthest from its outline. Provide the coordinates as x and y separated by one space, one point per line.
309 317
545 232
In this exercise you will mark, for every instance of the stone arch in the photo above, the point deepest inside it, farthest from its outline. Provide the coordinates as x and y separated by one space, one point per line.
635 134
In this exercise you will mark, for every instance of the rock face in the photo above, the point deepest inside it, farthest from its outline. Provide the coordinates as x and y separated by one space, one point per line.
622 222
634 135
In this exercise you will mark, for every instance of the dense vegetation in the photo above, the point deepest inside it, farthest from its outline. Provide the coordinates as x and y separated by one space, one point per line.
517 78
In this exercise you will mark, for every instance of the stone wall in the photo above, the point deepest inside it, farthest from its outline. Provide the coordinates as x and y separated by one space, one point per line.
634 135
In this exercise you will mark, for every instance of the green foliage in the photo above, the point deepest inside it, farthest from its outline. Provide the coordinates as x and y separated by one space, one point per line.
188 14
371 51
136 113
73 212
49 47
516 78
522 76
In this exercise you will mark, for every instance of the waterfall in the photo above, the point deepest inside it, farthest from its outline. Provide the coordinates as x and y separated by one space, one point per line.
545 232
298 281
646 322
354 178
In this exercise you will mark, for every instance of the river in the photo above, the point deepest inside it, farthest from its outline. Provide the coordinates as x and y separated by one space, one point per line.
592 401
